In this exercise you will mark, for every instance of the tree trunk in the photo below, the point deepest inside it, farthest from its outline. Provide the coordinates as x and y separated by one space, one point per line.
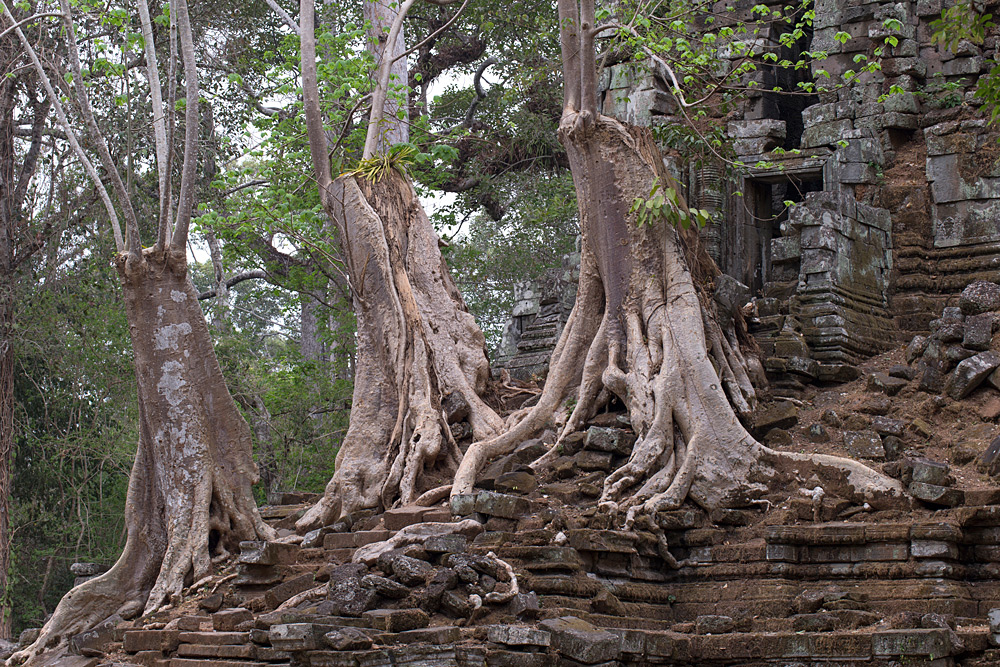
6 447
7 282
189 501
643 331
421 362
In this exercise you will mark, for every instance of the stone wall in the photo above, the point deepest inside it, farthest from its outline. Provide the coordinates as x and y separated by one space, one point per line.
897 201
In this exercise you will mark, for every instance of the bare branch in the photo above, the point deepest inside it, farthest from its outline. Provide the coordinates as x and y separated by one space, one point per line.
67 128
185 200
28 20
437 32
284 16
256 274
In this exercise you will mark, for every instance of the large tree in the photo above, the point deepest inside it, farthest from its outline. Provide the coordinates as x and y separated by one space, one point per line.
189 499
421 357
644 330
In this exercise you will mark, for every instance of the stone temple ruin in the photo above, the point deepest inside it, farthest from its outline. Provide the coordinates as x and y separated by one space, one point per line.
897 203
897 213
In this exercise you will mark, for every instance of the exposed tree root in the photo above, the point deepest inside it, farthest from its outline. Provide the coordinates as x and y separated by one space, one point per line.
189 499
419 351
661 350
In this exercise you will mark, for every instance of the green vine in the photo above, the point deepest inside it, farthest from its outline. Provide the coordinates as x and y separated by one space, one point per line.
666 204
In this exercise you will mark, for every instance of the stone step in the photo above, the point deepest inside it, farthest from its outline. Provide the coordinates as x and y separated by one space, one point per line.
243 651
215 638
211 662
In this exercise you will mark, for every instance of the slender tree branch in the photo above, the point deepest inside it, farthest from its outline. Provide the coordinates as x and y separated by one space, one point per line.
284 16
20 23
41 111
381 91
159 121
96 137
310 96
192 126
70 135
437 32
256 274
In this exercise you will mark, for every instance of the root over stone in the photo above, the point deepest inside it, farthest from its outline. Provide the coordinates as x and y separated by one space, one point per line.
421 359
189 500
643 331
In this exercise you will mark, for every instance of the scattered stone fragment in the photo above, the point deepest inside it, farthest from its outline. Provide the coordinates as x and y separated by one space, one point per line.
931 472
971 373
614 440
347 639
778 437
298 636
28 636
588 460
231 620
903 372
521 483
605 602
817 433
979 297
936 495
878 405
212 603
446 544
456 604
893 447
979 331
857 422
888 426
888 385
525 606
87 569
410 571
831 418
347 597
268 553
529 450
285 590
988 462
783 414
387 588
713 625
948 330
864 444
502 505
922 428
954 354
93 642
932 380
916 348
